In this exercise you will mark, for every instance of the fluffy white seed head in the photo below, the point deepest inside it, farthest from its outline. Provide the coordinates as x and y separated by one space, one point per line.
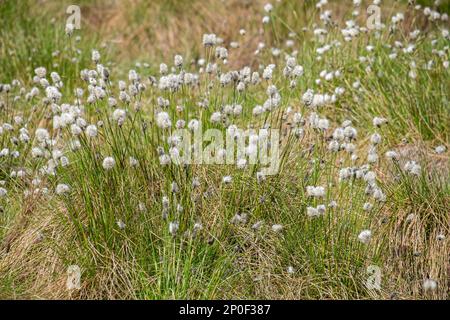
365 236
108 163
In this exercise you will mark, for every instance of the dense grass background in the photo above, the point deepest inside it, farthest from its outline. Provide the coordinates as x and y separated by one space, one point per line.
42 235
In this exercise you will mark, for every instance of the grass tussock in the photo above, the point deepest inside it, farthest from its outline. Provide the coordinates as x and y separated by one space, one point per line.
89 139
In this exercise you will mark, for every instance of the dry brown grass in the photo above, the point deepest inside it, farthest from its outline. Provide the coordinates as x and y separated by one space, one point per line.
158 29
33 267
35 263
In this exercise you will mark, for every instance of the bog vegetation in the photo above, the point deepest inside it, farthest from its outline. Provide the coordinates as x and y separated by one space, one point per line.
89 182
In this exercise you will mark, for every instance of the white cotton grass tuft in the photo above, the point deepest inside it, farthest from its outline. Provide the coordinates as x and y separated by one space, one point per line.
365 236
312 212
227 179
121 224
209 40
313 191
268 7
378 121
40 72
239 218
133 162
241 163
163 120
277 228
42 134
62 188
413 168
164 159
178 61
95 56
392 155
316 211
257 225
3 192
91 131
119 116
108 163
429 285
197 227
375 138
173 228
440 149
70 27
